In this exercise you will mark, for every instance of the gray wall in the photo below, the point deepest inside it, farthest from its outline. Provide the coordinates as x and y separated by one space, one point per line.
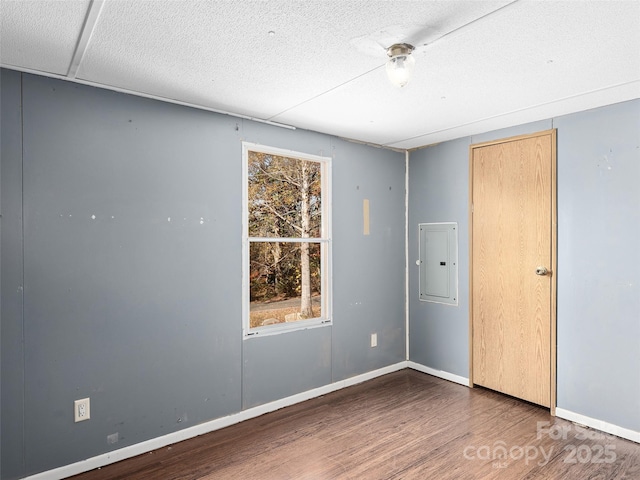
439 192
599 263
143 314
11 324
598 315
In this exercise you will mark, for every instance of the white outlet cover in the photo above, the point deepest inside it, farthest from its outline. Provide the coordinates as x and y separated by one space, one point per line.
81 410
374 339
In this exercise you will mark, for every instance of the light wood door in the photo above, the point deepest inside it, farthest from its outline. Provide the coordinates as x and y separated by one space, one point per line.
512 235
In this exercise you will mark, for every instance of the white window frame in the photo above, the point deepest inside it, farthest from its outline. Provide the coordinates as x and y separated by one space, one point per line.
325 240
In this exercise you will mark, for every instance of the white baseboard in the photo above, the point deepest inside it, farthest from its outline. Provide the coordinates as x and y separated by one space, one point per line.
191 432
439 373
601 425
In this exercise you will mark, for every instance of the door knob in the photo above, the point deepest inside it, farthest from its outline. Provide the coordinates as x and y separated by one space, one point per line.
542 271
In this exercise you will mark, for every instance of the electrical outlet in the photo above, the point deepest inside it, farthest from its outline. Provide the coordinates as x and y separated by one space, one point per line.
374 339
81 410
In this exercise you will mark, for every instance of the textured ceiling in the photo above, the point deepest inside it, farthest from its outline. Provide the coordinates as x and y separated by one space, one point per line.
319 65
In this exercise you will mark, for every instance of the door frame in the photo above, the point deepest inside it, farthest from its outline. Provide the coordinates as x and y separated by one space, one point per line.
554 256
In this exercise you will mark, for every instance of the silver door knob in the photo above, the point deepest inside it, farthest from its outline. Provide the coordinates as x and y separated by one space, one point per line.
542 271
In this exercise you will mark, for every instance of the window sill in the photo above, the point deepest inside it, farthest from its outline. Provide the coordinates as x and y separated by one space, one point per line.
281 328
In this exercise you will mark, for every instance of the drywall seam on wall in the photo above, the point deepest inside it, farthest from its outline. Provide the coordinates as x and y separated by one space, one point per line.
406 253
207 427
12 335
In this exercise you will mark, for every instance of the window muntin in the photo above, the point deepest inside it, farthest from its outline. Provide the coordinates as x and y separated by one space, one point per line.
286 240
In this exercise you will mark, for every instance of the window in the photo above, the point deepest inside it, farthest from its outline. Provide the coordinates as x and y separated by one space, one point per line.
287 240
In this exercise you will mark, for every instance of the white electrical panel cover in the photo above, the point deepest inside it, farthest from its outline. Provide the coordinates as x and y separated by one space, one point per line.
438 262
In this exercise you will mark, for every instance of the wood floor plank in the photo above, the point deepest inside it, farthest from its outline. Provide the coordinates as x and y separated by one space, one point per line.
405 425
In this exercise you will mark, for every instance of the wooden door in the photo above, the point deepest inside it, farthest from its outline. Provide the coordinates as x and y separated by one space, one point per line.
512 242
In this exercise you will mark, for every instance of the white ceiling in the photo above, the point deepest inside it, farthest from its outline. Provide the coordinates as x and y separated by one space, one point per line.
480 65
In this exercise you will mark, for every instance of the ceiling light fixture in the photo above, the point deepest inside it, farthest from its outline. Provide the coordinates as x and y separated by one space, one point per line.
400 64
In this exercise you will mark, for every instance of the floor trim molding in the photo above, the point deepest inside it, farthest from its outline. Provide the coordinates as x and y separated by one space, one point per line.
218 423
601 425
438 373
191 432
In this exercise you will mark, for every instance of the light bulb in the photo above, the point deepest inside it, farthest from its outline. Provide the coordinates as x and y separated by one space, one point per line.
400 64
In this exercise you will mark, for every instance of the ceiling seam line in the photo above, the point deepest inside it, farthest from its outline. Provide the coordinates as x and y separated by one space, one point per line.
90 22
511 112
462 27
376 68
325 92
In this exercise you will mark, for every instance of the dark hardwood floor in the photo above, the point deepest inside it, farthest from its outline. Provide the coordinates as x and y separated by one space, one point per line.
405 425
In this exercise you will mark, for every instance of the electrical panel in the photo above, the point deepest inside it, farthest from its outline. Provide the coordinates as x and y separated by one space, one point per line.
438 262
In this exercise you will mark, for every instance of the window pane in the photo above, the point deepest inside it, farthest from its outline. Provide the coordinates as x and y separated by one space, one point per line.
285 282
285 196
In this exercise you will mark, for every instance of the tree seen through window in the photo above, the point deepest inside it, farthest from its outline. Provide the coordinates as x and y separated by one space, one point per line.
285 238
